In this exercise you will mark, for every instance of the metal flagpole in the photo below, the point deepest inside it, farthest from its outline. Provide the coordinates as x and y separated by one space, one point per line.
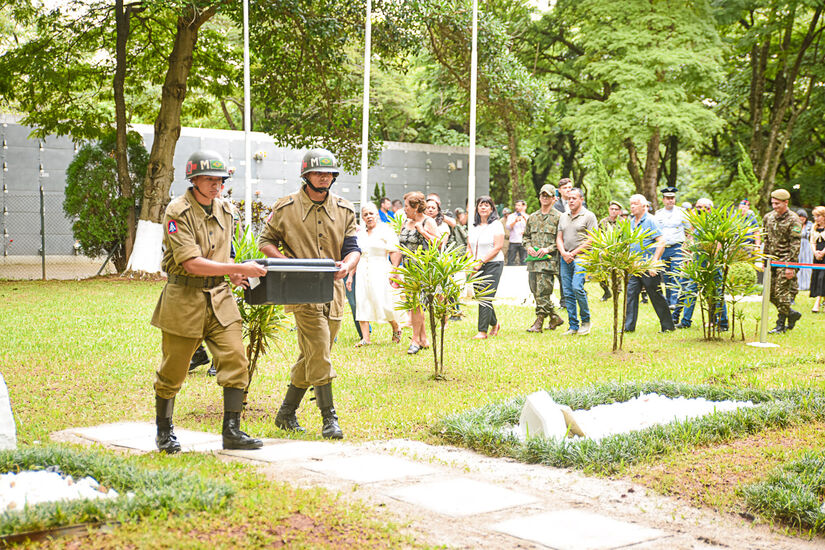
365 124
471 164
763 323
247 122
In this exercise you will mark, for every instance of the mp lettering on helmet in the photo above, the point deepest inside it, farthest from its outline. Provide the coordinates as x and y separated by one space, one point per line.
172 227
211 164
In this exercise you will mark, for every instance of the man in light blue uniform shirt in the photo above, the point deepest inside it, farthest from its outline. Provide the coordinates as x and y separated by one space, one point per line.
672 223
651 281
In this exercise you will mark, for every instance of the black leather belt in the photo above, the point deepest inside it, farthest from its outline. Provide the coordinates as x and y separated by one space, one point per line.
197 282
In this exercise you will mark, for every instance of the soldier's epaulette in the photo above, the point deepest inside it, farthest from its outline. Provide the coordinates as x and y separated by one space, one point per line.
344 203
178 206
283 201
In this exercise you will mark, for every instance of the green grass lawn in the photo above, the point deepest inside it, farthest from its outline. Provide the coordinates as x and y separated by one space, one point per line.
83 353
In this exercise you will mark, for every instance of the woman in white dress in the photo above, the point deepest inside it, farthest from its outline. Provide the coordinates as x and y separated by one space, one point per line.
375 299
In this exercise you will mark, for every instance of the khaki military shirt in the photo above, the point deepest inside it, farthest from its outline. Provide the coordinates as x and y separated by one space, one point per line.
605 222
783 235
303 229
540 232
188 232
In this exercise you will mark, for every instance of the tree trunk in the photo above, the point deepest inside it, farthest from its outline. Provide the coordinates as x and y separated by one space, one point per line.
650 180
633 165
160 172
124 180
516 192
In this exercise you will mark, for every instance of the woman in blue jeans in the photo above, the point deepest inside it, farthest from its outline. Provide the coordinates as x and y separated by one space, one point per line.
484 243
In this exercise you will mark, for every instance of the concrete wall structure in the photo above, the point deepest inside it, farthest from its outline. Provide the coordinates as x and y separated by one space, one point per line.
28 164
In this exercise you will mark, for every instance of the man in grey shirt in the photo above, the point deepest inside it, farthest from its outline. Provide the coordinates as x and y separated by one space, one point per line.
572 240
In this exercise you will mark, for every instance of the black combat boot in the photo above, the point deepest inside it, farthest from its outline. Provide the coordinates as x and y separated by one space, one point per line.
198 358
212 371
323 397
780 325
793 318
166 440
233 437
286 419
538 324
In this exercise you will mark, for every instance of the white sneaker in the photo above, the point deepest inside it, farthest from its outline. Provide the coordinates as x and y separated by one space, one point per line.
570 332
584 329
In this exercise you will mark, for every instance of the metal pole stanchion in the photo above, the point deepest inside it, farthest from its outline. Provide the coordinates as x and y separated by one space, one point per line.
42 232
763 323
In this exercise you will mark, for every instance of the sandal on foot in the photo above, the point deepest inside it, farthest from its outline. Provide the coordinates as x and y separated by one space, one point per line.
362 343
396 337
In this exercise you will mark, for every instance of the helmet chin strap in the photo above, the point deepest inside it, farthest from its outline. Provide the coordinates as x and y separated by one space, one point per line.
319 189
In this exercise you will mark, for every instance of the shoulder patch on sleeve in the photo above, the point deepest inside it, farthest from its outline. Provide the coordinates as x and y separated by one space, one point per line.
172 227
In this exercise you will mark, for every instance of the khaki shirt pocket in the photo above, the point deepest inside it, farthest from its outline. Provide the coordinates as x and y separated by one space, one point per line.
224 305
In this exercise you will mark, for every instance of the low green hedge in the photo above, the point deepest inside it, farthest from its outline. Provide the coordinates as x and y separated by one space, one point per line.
483 429
792 493
155 493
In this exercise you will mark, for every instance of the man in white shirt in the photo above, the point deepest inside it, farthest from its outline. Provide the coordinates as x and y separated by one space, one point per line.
516 223
672 223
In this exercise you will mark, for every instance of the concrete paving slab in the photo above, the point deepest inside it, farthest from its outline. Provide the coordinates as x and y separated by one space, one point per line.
461 497
288 450
140 436
577 530
370 468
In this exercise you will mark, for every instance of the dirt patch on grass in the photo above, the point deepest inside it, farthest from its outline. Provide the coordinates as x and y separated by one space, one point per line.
711 476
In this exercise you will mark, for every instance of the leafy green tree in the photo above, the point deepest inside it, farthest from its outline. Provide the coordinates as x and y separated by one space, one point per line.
634 74
433 279
611 258
721 239
95 199
600 190
776 83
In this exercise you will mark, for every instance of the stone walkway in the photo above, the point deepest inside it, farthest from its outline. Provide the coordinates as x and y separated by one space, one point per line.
459 499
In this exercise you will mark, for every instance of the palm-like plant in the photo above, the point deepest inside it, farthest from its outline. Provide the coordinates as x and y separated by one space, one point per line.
433 279
612 258
261 323
721 238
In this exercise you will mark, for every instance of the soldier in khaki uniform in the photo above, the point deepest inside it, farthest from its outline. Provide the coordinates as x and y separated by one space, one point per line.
783 237
539 240
314 223
197 304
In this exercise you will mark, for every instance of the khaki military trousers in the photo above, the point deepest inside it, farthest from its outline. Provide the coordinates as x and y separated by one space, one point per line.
783 291
316 333
226 346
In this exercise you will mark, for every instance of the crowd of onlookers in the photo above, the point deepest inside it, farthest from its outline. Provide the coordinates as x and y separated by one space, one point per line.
551 240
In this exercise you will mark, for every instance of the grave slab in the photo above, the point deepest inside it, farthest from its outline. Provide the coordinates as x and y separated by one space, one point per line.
461 497
289 450
370 468
140 436
577 530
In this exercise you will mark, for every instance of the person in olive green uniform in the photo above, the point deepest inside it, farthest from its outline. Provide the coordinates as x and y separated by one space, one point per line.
539 240
314 223
783 237
197 304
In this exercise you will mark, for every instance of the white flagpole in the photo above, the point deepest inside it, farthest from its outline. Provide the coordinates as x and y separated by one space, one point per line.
365 125
471 164
247 121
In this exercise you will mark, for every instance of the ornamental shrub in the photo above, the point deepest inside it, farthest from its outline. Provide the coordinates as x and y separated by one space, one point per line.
94 199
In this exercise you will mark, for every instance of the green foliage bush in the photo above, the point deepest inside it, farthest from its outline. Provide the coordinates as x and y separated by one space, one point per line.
94 198
143 493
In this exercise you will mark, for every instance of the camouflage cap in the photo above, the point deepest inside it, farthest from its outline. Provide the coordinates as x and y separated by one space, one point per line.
781 194
549 189
616 203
